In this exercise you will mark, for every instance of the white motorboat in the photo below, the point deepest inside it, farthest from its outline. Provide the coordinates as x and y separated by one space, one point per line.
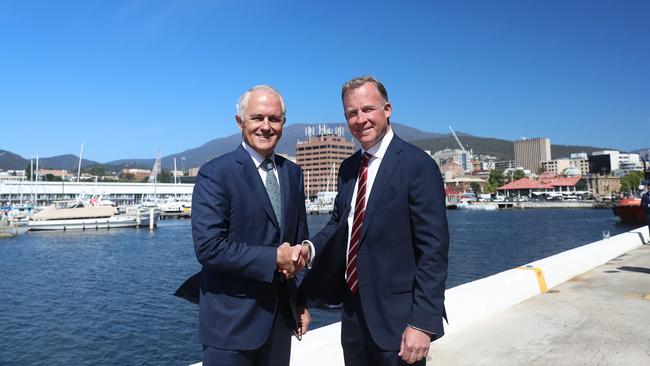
62 216
323 204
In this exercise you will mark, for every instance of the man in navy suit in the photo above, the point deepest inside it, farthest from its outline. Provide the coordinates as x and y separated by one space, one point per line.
645 203
245 204
384 251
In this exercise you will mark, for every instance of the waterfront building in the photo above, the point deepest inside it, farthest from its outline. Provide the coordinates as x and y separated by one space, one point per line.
488 165
504 164
568 166
464 184
628 163
44 193
55 172
139 175
555 167
603 186
320 157
609 155
615 162
531 188
458 156
529 153
13 175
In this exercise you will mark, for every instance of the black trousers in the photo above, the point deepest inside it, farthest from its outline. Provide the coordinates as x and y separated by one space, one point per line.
359 349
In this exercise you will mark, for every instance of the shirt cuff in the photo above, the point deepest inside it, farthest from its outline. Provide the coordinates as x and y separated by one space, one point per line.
312 253
431 334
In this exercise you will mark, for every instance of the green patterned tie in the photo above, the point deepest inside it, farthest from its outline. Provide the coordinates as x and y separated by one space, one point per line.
272 187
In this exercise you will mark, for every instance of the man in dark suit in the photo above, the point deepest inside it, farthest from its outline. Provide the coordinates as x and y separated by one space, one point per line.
645 203
384 251
245 204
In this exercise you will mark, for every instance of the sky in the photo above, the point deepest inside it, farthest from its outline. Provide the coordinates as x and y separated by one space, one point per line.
129 78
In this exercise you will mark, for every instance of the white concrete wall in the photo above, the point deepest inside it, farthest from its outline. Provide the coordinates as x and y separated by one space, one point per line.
471 302
27 188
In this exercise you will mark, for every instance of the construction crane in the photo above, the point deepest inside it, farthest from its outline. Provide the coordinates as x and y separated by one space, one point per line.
457 139
468 155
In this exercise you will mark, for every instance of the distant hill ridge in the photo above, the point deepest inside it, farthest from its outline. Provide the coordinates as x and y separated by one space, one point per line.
500 148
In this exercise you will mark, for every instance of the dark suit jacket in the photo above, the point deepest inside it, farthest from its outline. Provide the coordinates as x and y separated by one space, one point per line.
402 258
236 234
645 203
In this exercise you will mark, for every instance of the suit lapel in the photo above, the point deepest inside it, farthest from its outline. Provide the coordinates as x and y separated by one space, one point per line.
349 181
252 178
389 162
285 191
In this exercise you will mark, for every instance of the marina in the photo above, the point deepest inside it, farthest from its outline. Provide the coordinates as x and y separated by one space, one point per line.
112 301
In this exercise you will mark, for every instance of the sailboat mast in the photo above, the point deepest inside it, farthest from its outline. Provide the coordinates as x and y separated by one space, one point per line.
36 193
79 167
174 173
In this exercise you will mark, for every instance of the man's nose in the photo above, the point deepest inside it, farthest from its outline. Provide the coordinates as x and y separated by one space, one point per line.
266 124
362 117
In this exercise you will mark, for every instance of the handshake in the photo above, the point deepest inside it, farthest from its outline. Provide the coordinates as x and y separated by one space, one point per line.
291 259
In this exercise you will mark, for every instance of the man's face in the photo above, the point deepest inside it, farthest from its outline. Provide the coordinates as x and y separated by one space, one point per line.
262 122
367 114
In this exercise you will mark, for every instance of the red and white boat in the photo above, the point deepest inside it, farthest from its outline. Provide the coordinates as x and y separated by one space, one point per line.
629 211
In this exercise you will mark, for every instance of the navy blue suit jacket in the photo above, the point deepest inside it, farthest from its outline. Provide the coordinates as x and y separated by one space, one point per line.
236 235
402 257
645 203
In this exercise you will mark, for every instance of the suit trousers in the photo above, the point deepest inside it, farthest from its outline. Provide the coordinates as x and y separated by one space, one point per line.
276 350
359 349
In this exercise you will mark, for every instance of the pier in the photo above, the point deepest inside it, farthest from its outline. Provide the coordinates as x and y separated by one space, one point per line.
585 306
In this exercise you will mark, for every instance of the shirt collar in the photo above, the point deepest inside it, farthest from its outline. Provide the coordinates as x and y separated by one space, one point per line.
257 157
378 150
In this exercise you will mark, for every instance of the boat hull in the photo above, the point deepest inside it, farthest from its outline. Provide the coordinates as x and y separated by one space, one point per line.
114 222
630 212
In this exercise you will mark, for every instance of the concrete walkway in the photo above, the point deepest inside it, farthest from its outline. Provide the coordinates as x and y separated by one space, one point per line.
601 317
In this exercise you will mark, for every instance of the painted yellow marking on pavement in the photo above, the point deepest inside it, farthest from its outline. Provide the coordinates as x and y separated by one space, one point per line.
539 274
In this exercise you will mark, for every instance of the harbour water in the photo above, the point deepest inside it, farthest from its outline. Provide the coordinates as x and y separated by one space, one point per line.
105 297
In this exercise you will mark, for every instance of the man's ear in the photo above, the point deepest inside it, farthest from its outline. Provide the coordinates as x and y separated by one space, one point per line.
240 122
388 110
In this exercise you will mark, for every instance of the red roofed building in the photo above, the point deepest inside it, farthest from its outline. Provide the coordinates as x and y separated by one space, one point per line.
529 187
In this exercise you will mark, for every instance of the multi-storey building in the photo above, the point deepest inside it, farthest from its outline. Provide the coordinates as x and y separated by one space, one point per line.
461 157
577 166
529 153
621 163
13 175
504 164
320 157
138 174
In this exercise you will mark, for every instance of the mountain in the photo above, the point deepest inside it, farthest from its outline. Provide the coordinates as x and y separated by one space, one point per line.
501 149
287 145
11 161
68 162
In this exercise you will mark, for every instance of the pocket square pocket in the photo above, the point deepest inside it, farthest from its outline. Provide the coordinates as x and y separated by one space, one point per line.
402 283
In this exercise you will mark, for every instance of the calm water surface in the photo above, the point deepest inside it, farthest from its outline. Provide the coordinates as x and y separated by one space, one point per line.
105 297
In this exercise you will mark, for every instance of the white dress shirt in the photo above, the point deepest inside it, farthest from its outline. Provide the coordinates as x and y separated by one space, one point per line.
258 159
377 151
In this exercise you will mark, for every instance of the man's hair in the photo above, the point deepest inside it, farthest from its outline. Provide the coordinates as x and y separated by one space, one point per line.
243 100
359 81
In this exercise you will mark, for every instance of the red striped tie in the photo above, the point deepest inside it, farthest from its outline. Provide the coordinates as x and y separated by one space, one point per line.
359 215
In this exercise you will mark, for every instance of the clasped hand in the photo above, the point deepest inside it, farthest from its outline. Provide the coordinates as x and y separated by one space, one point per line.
291 259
